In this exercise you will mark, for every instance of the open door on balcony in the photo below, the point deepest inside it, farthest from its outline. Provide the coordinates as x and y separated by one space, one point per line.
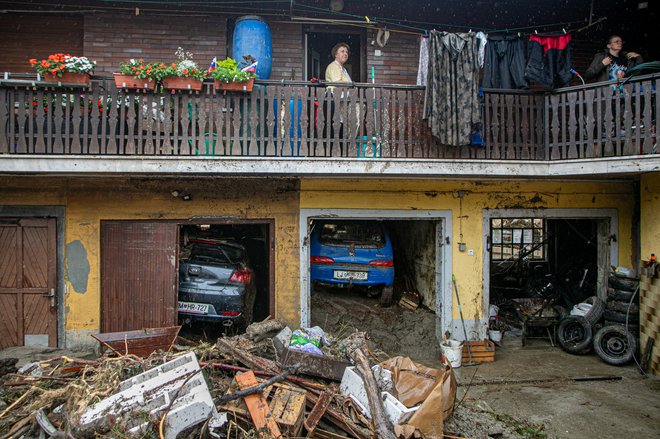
318 46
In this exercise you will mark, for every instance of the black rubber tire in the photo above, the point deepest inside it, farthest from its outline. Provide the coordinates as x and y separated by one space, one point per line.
633 328
386 297
596 311
574 335
614 345
621 283
622 307
622 295
620 317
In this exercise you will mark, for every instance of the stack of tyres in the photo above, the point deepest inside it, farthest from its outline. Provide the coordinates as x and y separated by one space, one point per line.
616 342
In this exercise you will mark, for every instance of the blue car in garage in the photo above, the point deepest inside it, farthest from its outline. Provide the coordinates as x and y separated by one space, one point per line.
352 253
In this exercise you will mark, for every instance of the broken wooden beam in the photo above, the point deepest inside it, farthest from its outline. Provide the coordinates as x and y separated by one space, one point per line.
257 406
317 412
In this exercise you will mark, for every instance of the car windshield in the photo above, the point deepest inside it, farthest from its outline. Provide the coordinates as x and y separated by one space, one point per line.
358 233
216 254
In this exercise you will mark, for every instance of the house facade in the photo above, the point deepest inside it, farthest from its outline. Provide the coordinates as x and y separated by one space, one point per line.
99 194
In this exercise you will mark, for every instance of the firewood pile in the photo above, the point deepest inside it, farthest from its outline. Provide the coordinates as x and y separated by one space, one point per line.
245 386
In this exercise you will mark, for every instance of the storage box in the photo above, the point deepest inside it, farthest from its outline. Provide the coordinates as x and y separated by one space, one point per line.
482 351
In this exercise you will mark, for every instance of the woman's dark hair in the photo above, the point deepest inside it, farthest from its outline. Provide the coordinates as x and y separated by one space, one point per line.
337 46
609 40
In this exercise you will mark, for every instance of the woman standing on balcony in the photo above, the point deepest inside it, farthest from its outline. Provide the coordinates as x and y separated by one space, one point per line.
612 63
335 72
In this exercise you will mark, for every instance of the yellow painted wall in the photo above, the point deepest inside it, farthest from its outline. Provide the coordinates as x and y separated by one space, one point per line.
443 195
650 215
88 201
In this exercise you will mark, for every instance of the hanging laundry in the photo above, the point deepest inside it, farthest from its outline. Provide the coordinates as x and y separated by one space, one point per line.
451 102
505 63
483 39
549 60
423 68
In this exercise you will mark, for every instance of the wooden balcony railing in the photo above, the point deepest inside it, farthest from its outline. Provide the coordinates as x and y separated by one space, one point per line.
294 119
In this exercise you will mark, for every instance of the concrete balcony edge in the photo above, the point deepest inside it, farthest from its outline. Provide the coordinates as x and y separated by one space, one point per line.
107 166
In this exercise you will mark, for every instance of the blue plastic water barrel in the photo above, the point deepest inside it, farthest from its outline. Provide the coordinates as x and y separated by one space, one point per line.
252 37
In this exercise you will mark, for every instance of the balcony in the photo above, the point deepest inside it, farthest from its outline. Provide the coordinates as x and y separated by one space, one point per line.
301 121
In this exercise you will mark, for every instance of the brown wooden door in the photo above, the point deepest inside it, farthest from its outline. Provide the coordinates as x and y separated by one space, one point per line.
139 275
28 282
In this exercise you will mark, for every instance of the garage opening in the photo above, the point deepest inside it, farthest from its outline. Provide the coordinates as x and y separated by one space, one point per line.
210 276
379 275
541 267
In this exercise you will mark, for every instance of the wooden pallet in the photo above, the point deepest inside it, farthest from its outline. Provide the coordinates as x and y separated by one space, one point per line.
482 351
410 301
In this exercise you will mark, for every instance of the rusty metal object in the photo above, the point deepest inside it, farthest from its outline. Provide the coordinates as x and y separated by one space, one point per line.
141 342
314 365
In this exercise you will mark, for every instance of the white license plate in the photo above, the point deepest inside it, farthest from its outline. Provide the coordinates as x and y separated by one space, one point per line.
350 275
196 308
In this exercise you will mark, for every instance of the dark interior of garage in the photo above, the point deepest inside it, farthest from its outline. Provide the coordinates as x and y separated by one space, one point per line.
254 239
341 309
536 263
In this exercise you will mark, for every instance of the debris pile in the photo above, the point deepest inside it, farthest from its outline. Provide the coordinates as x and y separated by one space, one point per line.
262 383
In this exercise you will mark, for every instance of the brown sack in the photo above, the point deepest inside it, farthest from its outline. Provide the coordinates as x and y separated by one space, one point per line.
415 383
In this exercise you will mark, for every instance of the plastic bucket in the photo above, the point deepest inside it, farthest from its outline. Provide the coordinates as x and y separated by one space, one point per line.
453 352
252 37
495 335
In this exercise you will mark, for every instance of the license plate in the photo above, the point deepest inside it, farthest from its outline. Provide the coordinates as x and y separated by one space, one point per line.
195 308
350 275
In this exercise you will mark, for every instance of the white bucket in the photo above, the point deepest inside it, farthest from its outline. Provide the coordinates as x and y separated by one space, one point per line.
495 335
452 350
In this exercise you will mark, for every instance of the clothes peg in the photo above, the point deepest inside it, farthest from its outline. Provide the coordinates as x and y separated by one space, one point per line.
518 34
535 32
564 30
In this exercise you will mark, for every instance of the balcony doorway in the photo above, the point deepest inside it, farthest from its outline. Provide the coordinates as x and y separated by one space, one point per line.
318 47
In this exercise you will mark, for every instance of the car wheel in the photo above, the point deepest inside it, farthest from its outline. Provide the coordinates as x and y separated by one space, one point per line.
386 297
621 317
623 307
625 284
614 345
574 335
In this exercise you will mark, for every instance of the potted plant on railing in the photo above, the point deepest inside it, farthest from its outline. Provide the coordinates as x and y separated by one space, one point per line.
228 75
182 74
62 67
136 74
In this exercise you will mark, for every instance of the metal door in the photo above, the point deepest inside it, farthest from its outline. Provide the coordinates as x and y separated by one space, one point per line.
138 275
28 282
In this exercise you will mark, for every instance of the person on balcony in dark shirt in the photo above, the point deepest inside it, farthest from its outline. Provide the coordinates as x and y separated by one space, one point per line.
612 63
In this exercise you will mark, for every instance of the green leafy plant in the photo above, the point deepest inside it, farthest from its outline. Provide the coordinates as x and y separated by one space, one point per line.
228 71
184 67
140 69
60 63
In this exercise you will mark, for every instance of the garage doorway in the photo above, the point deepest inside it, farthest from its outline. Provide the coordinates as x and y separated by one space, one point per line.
140 267
557 255
421 255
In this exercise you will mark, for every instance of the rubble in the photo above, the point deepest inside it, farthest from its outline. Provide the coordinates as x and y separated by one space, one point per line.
241 386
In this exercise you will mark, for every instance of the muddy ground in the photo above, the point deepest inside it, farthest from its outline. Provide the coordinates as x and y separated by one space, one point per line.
530 389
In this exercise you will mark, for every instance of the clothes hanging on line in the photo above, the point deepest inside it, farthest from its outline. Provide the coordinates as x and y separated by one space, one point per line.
451 102
504 66
423 68
483 39
549 60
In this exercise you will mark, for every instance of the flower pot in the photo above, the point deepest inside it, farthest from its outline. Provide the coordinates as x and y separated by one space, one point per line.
132 82
235 86
68 77
178 83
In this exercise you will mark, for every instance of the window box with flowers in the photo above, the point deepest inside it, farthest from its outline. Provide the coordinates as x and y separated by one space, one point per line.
62 67
230 77
182 74
136 74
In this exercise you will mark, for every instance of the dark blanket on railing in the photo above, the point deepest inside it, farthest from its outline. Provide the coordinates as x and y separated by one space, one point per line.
451 104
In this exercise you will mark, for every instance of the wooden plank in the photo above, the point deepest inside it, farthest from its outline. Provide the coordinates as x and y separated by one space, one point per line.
257 406
317 412
288 409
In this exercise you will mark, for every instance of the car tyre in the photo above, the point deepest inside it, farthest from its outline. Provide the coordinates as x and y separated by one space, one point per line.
621 295
621 317
387 297
596 311
623 307
574 335
614 345
625 284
